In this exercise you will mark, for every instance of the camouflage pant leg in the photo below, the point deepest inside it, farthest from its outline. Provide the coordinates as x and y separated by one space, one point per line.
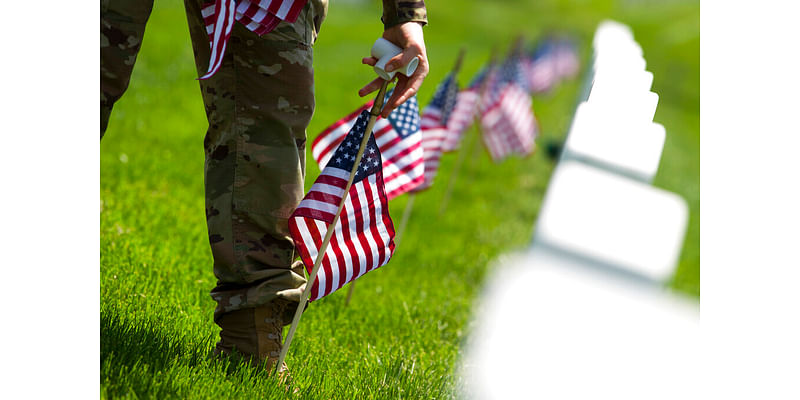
122 25
258 106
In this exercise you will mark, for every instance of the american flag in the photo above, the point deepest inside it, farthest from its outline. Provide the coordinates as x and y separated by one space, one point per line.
541 67
363 237
463 112
507 120
567 63
461 119
399 138
509 125
259 16
435 118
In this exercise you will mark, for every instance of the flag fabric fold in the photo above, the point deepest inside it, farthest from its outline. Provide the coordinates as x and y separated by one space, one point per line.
259 16
363 237
399 138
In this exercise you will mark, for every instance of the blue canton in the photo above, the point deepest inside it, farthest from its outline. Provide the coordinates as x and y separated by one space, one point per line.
445 97
405 119
511 72
346 153
545 48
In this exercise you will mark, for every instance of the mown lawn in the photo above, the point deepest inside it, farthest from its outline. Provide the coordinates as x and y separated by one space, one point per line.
400 336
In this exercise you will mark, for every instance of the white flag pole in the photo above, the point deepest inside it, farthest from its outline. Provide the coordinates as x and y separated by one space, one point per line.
373 115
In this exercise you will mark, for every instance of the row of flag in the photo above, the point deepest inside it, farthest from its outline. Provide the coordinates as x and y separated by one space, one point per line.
403 155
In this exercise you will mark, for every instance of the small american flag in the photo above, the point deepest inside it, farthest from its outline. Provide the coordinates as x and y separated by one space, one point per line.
434 127
509 125
541 68
464 111
399 138
567 63
259 16
363 237
461 119
507 120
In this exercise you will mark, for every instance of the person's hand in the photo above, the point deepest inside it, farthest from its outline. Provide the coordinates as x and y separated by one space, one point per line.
407 36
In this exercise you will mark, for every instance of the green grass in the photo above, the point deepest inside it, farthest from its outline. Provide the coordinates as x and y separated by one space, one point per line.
400 336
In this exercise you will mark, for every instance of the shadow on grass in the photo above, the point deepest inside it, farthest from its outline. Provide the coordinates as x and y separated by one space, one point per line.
145 358
145 342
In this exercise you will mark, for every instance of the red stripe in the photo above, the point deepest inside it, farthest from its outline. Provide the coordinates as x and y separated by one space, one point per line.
348 241
359 219
294 12
251 11
340 257
299 243
326 266
313 213
373 228
323 197
316 240
274 6
331 180
387 220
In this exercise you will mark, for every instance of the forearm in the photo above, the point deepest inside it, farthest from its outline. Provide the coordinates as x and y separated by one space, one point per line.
396 12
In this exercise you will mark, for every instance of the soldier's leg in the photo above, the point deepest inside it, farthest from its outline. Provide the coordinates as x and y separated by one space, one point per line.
258 105
122 25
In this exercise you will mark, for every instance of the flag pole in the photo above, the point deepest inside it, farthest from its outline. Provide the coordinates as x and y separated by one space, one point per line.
373 116
464 151
411 196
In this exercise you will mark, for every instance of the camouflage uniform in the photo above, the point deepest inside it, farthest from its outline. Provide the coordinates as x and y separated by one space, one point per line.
258 106
121 30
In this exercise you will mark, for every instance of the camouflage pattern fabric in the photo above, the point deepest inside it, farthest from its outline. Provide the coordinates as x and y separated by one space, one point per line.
396 12
258 106
122 25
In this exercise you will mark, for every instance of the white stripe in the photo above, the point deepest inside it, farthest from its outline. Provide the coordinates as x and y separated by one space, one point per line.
322 278
328 189
285 7
336 173
318 205
243 6
345 236
382 230
260 16
341 241
353 234
309 241
330 254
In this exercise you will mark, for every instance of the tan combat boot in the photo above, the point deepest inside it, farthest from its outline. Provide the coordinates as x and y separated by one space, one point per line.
254 334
